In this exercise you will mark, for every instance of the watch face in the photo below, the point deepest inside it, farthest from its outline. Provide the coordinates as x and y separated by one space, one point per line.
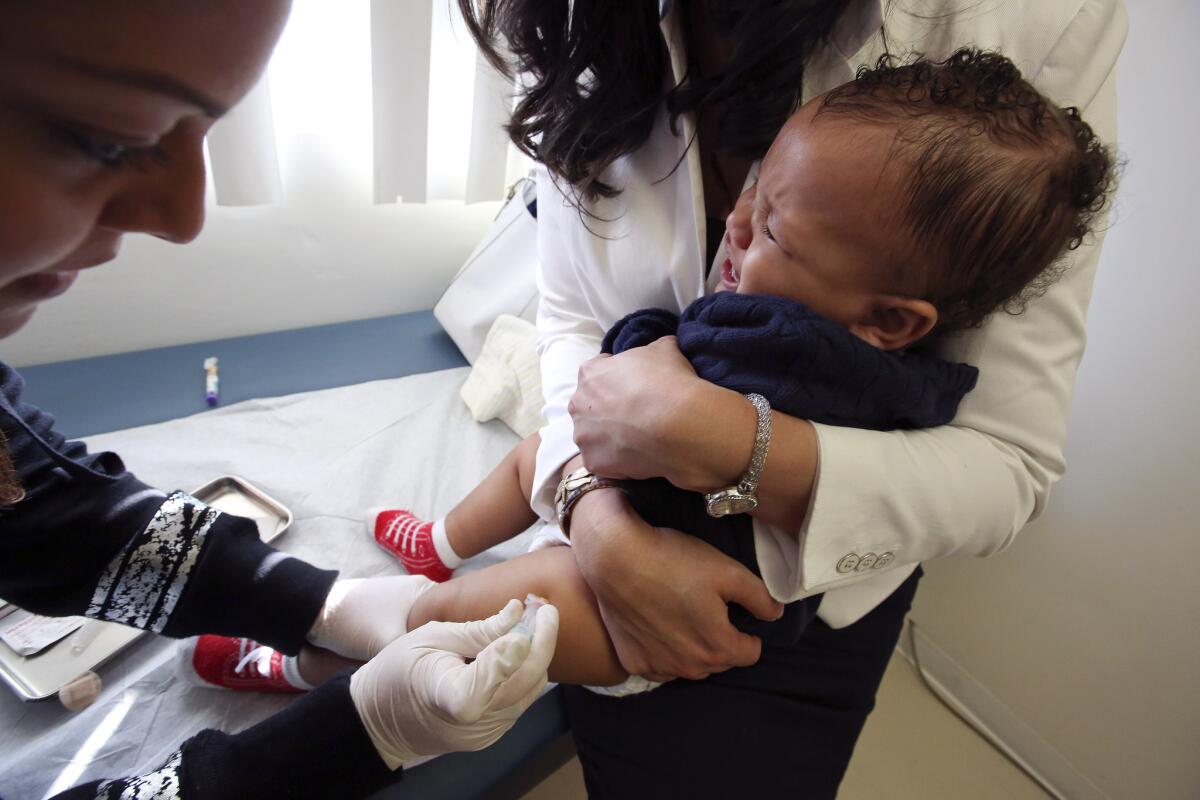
570 484
731 503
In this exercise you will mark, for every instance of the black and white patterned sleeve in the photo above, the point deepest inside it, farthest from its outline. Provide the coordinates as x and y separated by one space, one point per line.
192 569
161 784
87 537
143 584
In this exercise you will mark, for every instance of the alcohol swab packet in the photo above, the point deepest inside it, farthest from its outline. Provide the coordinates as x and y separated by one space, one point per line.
28 633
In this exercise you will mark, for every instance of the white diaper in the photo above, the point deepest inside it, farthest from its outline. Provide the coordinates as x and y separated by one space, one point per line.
548 536
634 684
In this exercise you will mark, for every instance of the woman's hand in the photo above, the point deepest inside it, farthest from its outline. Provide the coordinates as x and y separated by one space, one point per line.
451 686
663 595
645 414
349 623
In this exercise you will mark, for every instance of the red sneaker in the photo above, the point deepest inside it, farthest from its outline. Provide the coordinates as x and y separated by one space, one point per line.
240 664
409 539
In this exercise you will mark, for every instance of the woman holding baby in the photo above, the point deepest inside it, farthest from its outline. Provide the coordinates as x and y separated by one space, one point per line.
648 124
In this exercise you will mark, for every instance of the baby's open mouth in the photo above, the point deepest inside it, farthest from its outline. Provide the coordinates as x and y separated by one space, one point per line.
729 273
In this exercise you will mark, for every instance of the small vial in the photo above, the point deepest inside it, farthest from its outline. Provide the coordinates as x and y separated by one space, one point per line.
212 382
532 604
81 692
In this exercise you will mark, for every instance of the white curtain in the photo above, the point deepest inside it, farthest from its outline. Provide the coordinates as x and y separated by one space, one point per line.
386 97
241 152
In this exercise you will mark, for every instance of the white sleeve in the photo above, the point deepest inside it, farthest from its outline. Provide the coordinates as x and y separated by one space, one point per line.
969 487
568 335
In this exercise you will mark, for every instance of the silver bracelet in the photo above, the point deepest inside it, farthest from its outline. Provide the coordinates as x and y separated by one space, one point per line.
742 498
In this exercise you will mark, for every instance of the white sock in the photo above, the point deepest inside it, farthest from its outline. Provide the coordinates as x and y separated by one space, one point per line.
441 543
291 673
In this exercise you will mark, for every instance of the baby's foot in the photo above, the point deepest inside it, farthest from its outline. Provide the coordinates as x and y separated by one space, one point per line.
240 664
410 540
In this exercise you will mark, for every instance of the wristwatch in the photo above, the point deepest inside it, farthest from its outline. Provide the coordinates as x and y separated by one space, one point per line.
741 498
573 487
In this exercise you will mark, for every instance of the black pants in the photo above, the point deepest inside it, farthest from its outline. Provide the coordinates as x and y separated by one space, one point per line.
785 727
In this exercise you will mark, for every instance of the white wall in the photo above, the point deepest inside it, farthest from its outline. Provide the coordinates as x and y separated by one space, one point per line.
324 259
1088 628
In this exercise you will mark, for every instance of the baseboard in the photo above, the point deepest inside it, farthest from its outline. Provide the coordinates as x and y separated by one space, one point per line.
995 721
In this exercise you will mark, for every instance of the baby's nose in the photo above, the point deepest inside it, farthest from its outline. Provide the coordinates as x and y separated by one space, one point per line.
737 227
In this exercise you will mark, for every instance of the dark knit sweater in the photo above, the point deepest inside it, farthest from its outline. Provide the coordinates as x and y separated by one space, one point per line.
806 366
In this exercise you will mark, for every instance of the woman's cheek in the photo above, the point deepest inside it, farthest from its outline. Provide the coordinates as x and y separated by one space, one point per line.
40 226
12 320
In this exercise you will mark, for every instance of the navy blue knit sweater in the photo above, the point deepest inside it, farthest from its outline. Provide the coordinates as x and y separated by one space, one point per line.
806 366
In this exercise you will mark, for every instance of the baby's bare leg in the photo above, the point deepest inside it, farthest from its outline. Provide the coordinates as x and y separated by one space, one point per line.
498 508
318 665
584 654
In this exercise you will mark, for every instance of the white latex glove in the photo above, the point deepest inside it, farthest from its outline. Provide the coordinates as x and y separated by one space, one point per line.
361 616
421 697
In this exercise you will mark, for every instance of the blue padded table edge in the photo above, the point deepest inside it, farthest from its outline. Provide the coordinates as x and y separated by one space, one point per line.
109 393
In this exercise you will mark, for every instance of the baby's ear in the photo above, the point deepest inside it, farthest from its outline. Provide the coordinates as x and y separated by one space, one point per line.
892 322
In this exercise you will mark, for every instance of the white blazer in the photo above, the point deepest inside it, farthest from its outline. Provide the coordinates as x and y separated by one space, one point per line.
882 502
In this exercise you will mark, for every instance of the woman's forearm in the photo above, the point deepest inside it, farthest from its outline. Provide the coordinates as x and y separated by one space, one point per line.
645 413
789 476
712 441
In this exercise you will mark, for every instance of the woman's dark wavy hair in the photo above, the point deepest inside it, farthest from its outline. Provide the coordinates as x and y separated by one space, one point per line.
999 182
598 73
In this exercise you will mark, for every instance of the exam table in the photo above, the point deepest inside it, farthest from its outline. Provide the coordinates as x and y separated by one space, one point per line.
111 393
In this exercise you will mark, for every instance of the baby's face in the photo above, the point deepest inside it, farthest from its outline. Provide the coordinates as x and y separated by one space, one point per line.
818 226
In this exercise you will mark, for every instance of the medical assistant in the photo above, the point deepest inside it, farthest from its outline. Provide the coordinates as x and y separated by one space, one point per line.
89 538
882 502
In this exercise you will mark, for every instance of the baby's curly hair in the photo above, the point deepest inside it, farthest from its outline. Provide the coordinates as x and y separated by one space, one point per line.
1001 184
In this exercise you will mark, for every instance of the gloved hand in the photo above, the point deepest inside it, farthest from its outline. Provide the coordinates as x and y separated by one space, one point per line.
421 697
361 616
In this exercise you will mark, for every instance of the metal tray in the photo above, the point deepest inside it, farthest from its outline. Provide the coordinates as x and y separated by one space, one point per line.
239 497
42 675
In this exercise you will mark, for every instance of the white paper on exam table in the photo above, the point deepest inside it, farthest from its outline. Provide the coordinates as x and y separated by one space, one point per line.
326 455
